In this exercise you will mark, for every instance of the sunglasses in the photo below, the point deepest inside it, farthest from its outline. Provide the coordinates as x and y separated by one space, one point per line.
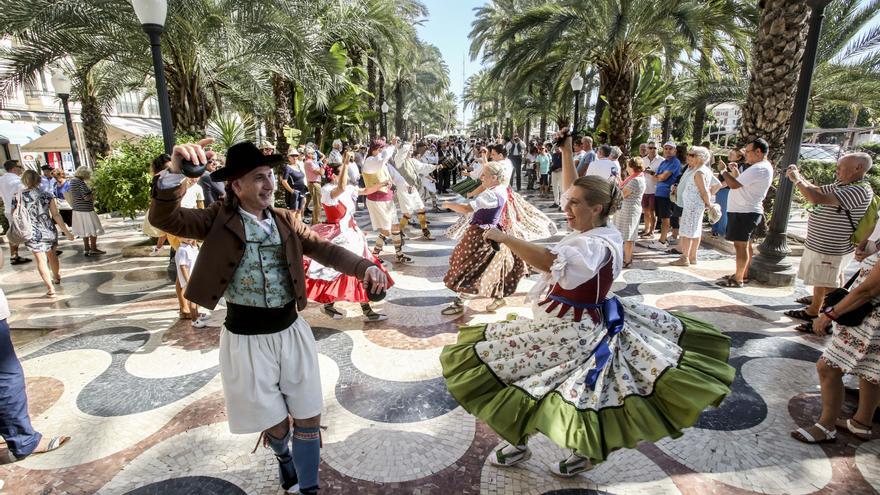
652 147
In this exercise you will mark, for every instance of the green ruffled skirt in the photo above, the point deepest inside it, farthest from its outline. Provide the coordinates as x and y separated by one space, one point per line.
700 378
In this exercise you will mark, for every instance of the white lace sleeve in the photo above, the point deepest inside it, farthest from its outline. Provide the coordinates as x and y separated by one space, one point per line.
578 261
327 195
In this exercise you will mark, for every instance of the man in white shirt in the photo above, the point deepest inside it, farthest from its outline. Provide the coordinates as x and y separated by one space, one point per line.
604 166
195 195
334 159
745 206
652 161
515 151
10 185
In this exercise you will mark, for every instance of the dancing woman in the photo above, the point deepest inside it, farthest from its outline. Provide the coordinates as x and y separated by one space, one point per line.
591 372
327 285
475 267
521 219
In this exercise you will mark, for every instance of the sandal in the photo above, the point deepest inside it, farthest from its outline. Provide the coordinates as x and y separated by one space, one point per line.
184 316
456 308
54 444
806 327
807 300
855 428
733 276
802 435
799 314
729 282
627 264
51 294
495 304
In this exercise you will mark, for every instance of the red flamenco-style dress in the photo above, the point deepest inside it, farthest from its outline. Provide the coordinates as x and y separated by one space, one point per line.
324 284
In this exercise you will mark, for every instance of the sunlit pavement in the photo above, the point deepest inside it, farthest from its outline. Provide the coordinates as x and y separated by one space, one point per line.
139 391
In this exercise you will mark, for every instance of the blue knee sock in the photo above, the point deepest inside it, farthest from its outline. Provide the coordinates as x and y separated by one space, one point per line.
307 455
286 467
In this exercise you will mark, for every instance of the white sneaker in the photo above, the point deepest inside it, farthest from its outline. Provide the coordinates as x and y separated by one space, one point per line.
200 323
663 246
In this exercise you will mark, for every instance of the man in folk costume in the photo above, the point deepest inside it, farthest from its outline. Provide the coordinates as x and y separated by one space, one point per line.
428 184
411 170
380 204
253 257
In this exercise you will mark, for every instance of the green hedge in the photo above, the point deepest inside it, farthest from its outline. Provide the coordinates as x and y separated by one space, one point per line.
121 181
823 172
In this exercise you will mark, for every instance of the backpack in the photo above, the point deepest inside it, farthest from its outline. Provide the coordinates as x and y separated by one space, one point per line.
20 228
866 225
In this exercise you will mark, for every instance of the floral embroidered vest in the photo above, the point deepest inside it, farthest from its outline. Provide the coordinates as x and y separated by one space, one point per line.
262 278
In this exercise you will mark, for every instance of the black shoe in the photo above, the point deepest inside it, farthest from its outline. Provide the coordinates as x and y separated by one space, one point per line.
18 260
554 205
58 252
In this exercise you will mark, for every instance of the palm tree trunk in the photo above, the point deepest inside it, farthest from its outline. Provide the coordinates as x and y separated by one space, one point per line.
600 103
399 124
281 114
371 96
543 127
618 90
383 126
699 121
777 54
94 129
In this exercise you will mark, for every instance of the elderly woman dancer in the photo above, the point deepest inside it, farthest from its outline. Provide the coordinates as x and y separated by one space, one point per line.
327 285
519 217
627 219
43 214
591 372
475 267
693 196
853 350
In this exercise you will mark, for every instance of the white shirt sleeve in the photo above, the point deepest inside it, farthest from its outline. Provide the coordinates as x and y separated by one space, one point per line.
387 153
484 200
425 168
398 179
578 261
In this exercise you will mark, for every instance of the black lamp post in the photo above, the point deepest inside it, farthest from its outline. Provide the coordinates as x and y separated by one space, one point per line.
577 84
667 119
62 85
151 14
770 266
385 109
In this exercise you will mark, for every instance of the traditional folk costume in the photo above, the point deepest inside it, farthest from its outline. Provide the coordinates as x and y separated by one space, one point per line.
380 204
475 267
590 371
428 185
520 218
268 357
411 172
327 285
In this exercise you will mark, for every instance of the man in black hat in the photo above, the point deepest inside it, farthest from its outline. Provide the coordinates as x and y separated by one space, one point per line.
253 257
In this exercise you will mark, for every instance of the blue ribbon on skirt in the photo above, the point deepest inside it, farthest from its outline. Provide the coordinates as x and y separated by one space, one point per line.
612 312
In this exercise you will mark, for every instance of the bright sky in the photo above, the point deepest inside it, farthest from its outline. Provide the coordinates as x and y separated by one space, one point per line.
447 27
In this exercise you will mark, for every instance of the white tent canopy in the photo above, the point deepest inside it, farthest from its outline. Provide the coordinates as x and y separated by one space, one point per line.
118 129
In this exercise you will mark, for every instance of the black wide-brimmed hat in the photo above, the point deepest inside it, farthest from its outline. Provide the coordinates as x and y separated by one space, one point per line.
241 158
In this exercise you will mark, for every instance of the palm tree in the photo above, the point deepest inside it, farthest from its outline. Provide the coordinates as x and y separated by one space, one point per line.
612 35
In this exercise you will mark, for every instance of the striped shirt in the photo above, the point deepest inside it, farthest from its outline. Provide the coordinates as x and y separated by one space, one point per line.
828 229
78 190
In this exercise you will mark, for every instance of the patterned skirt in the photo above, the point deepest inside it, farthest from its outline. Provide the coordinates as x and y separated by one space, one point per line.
856 350
527 376
521 219
476 268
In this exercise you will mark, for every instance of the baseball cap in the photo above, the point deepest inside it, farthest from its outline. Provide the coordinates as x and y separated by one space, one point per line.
669 143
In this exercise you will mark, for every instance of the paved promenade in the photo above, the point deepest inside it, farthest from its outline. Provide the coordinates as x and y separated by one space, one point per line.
109 363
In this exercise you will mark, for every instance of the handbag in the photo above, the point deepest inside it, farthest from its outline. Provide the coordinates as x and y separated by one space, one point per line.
20 228
714 213
853 317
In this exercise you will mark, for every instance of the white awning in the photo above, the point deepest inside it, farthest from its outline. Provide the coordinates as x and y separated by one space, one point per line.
118 128
17 132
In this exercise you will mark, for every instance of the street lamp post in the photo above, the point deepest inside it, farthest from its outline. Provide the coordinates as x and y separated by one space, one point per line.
62 85
770 266
151 14
385 109
577 84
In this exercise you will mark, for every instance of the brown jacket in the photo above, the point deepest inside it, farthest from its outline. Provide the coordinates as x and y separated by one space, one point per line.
222 230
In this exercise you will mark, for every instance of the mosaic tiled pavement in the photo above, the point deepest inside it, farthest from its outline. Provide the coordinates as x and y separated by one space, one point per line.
108 363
